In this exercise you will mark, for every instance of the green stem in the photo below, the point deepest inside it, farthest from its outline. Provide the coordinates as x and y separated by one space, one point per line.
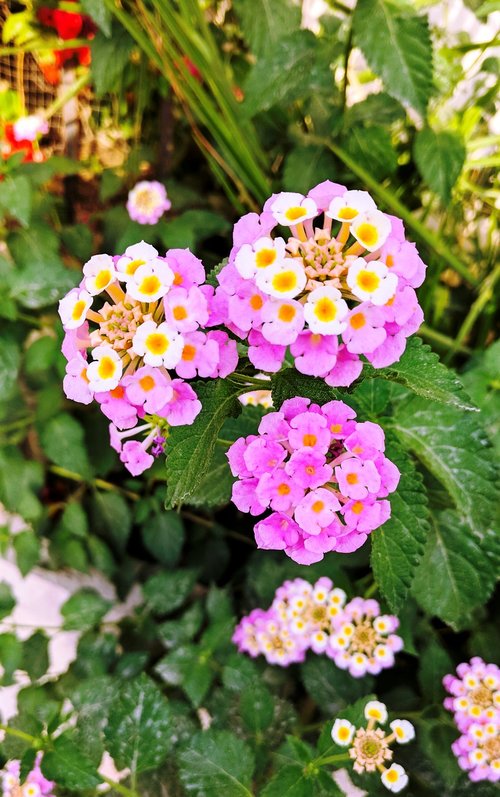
392 202
100 483
26 737
36 46
120 788
441 339
331 759
372 589
486 294
59 102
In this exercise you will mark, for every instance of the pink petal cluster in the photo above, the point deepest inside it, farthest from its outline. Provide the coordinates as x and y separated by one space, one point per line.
323 474
35 784
134 332
306 616
147 202
475 703
340 284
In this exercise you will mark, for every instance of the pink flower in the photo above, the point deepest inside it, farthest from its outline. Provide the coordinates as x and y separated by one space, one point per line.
135 457
244 497
278 490
147 202
315 354
148 387
75 383
356 479
346 369
316 510
308 430
309 468
227 360
276 532
365 329
183 407
188 269
116 406
263 355
283 321
200 356
366 515
185 309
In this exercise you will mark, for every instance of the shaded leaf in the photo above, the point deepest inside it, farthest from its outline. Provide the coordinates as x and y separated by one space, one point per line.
66 764
84 610
439 158
15 198
216 763
264 22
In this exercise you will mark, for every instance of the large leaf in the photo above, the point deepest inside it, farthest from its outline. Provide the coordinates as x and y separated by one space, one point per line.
307 166
454 576
439 158
371 146
163 536
99 13
15 198
454 447
397 45
420 370
190 448
290 383
265 22
63 442
331 687
10 359
217 763
84 610
398 547
109 58
139 727
188 667
69 767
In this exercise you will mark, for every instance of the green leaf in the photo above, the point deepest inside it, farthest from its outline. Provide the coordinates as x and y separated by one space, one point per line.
420 370
264 23
289 781
177 632
398 546
11 654
191 227
216 763
290 383
163 535
84 610
78 241
434 664
330 687
189 667
109 59
7 600
307 166
454 576
19 481
35 655
63 442
371 397
190 448
439 158
66 764
165 592
215 488
256 708
380 107
74 520
99 13
10 359
453 446
397 46
139 727
282 75
112 518
15 198
27 547
372 147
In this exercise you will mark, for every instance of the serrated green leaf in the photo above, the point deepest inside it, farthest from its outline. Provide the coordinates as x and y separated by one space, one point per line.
289 781
371 146
439 158
163 535
282 75
398 546
454 575
139 726
63 442
190 448
256 708
35 655
165 592
177 632
290 383
215 488
15 198
330 687
84 610
112 518
99 13
420 370
66 764
190 668
216 763
264 22
380 107
397 46
307 166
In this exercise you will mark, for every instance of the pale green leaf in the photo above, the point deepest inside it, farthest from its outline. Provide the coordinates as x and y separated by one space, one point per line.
15 198
265 22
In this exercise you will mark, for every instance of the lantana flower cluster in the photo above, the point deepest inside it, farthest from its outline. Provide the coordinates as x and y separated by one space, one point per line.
339 284
323 474
304 616
35 784
369 747
475 703
147 202
134 334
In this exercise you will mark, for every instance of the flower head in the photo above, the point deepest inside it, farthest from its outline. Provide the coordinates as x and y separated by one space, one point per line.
147 202
34 785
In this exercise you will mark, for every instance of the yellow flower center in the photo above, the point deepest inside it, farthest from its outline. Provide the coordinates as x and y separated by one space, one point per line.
283 489
325 310
309 440
157 343
188 352
106 368
367 234
103 279
284 281
347 213
256 302
132 267
286 313
147 383
368 281
318 506
78 310
265 257
150 285
179 313
295 213
357 321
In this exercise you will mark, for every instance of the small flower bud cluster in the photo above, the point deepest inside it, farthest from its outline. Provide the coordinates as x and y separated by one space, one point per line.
369 747
134 333
321 473
35 784
475 703
315 617
339 284
147 202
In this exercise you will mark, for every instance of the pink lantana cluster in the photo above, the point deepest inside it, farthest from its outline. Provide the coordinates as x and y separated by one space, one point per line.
147 202
134 334
315 617
323 474
340 284
475 703
35 784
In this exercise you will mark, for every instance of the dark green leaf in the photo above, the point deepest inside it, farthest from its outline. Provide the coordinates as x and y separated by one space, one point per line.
305 167
176 632
109 58
217 763
7 600
439 158
35 655
63 442
290 383
27 547
84 610
371 146
15 198
165 592
330 687
256 708
11 654
66 764
10 358
19 481
264 23
190 668
163 536
191 227
112 518
434 664
289 781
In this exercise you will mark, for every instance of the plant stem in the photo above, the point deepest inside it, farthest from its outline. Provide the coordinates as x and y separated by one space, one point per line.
331 759
443 340
120 788
26 737
485 296
101 483
58 103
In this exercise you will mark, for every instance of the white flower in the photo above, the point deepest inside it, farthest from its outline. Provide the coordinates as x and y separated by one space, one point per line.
358 665
99 273
394 778
343 732
106 370
265 252
158 344
384 654
375 710
135 256
290 208
283 280
31 790
73 308
150 281
371 281
382 624
325 311
371 229
350 205
27 128
403 731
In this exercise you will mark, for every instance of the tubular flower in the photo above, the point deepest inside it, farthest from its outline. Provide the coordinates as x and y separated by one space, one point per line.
147 202
369 747
35 784
364 640
321 472
338 284
133 335
306 615
475 702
